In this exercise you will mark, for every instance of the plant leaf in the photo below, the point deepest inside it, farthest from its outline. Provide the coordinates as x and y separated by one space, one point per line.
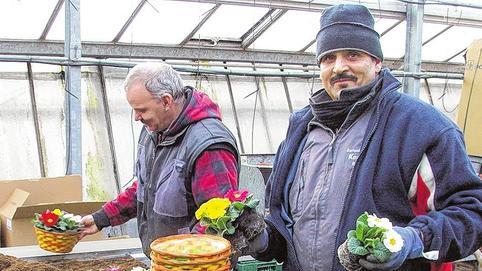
355 247
363 218
371 233
252 203
238 205
230 230
360 230
380 252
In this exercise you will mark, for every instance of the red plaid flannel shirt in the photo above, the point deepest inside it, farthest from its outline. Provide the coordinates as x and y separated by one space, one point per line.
214 174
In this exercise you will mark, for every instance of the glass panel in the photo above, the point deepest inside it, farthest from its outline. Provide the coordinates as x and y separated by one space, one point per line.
231 21
50 98
57 31
429 30
301 89
18 144
395 46
274 103
311 49
124 129
393 43
460 37
154 23
382 24
253 131
99 181
285 33
12 67
458 59
94 25
445 95
24 19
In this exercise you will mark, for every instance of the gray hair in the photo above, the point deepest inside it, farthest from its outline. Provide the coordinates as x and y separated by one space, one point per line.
158 78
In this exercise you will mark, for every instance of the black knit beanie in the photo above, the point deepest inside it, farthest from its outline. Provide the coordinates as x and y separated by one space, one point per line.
347 27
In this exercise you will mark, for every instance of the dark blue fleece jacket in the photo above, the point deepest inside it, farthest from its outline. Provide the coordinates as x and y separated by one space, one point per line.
402 132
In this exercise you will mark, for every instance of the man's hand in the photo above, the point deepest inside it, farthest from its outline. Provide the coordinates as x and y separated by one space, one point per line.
347 259
412 248
250 236
87 226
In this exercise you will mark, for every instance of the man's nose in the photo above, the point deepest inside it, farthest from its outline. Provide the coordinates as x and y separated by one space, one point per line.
340 66
137 117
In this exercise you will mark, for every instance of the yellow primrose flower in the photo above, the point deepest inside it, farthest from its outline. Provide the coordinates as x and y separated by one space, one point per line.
213 208
57 212
200 211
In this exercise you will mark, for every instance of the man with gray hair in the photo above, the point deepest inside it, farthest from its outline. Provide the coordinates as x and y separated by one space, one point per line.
362 146
185 156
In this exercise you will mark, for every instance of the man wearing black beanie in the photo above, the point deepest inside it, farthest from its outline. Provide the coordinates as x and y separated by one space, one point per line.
362 146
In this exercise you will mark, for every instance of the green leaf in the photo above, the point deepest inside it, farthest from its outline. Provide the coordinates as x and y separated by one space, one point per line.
360 230
238 205
370 243
381 253
205 221
211 231
371 233
252 203
355 247
234 213
351 233
221 222
379 232
230 230
363 218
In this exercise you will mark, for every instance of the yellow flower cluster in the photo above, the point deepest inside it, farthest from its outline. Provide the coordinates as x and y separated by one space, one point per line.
213 208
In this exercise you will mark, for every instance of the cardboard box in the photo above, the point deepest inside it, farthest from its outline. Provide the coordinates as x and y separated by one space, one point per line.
21 199
469 114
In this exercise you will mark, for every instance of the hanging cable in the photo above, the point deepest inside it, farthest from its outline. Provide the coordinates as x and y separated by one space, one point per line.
445 91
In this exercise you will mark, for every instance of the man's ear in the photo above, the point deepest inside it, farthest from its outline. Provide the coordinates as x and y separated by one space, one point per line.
166 99
378 65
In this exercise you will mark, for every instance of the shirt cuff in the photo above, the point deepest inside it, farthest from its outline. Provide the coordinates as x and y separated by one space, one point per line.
100 219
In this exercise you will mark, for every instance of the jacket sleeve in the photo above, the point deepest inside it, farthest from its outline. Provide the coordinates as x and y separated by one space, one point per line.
452 226
118 210
276 243
276 246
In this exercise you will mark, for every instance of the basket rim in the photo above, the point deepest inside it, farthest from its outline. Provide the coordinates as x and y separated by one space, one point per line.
56 232
196 263
184 236
222 268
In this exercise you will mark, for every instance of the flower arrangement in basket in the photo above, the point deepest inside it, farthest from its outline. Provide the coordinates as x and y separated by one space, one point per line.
372 236
57 230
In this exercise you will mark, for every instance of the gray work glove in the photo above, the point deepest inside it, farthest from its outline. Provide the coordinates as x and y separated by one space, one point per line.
250 236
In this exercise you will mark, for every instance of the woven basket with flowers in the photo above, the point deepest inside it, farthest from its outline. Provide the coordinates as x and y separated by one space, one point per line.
57 231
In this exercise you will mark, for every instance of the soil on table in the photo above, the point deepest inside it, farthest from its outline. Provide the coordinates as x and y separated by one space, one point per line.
9 263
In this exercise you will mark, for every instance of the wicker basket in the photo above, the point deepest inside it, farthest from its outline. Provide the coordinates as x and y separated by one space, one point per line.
196 252
154 267
59 242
